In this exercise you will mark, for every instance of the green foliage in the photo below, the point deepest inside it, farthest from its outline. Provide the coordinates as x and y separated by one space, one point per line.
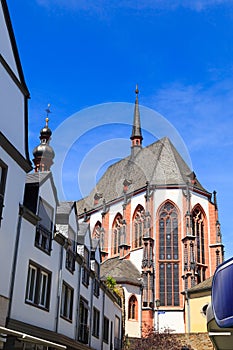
111 283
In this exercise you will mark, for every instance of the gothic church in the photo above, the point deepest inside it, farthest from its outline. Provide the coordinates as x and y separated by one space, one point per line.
159 234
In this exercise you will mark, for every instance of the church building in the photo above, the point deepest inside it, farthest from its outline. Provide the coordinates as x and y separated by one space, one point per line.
158 229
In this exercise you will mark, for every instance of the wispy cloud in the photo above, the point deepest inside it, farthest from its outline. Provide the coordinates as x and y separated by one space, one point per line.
105 5
203 115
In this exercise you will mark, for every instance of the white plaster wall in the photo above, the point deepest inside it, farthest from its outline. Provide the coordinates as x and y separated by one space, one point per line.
13 196
94 218
12 114
72 220
136 258
199 199
138 199
116 208
98 304
46 193
27 251
172 320
132 328
111 310
86 292
5 44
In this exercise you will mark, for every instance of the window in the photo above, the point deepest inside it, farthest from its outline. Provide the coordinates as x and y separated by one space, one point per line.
198 232
106 330
38 286
96 322
117 227
133 308
85 268
67 301
117 340
83 332
71 252
138 225
3 174
44 229
96 279
168 254
97 230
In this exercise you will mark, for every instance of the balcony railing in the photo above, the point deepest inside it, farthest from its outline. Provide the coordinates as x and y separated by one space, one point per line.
43 238
117 343
83 333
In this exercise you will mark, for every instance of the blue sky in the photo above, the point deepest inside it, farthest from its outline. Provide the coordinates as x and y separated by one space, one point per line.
77 54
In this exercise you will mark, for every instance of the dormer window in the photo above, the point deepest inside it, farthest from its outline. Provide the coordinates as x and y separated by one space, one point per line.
44 229
71 252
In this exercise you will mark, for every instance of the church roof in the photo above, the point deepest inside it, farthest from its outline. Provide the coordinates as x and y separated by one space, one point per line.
159 164
122 270
65 207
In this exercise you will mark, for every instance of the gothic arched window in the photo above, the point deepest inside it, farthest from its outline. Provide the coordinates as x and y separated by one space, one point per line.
168 255
97 230
116 230
133 308
138 225
198 224
198 232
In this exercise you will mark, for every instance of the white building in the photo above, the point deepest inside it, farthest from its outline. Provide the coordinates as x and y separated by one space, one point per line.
51 296
14 160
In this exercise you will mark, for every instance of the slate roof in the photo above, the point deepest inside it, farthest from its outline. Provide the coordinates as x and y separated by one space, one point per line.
158 163
205 285
38 177
64 207
83 227
122 270
33 182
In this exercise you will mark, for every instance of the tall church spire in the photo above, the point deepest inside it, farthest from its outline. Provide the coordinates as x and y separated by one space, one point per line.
136 135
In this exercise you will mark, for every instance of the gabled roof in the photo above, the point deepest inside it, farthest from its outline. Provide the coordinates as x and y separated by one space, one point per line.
159 163
122 270
201 289
65 207
12 61
38 179
84 229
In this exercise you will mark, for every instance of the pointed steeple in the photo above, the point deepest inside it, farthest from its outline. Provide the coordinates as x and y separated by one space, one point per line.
43 153
136 135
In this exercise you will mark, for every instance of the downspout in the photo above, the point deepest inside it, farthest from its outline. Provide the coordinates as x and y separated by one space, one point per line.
14 263
188 311
91 310
59 286
102 333
78 301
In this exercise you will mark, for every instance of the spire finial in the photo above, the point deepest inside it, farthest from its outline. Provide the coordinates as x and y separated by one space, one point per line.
136 135
48 111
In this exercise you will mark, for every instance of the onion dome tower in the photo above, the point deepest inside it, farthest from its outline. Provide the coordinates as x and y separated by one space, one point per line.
44 153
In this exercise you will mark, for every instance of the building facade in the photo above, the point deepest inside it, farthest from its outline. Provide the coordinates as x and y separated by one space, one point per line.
14 159
151 210
51 295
